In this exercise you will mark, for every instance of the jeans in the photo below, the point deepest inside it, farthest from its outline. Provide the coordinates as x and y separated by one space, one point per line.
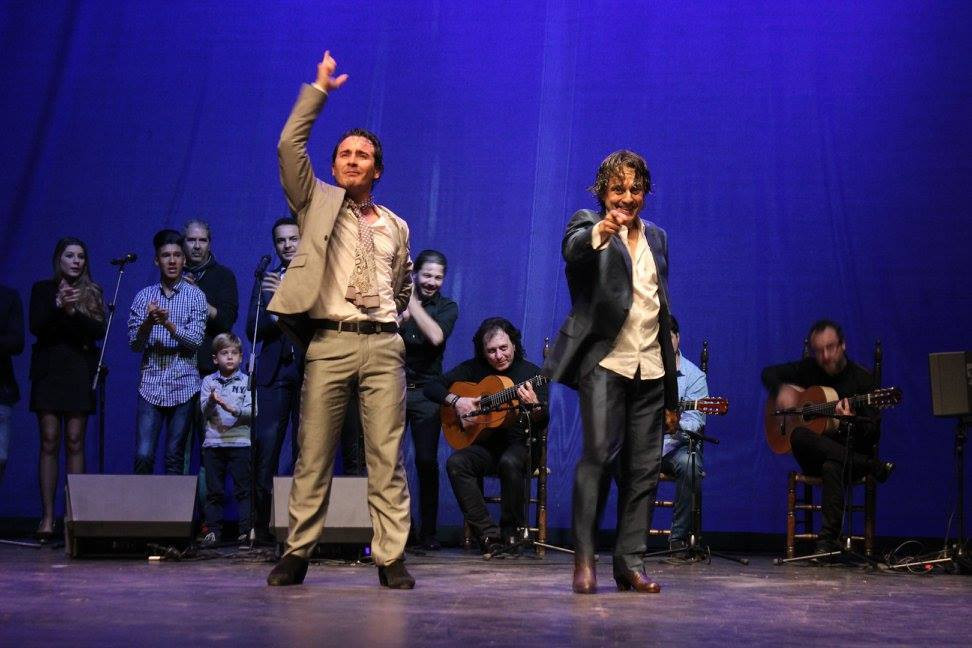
6 412
277 405
678 464
217 462
149 419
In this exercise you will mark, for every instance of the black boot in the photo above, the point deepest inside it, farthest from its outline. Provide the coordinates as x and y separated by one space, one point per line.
395 576
289 571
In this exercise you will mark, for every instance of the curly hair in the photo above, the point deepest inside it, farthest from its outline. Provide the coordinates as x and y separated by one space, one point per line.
490 326
613 166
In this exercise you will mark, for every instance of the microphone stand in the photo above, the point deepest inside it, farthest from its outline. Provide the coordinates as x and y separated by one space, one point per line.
525 541
254 407
101 373
846 475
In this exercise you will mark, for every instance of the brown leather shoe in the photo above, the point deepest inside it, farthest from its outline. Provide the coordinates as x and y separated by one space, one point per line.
585 575
395 576
289 571
635 580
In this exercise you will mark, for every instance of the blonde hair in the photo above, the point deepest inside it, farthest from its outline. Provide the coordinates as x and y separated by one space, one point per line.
225 341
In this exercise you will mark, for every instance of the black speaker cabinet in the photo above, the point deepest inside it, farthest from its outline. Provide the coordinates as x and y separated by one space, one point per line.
117 507
347 520
951 383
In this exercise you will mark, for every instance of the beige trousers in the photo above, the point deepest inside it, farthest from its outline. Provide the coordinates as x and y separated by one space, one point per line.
334 361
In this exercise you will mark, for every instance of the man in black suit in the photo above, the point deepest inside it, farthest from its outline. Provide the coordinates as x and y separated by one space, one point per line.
277 376
615 349
11 344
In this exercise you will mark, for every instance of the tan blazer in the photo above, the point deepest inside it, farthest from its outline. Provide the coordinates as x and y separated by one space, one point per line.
316 205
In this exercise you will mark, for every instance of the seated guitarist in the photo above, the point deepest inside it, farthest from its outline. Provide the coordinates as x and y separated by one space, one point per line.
503 451
676 460
825 455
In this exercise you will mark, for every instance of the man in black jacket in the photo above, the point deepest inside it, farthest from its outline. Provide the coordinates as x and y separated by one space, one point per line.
498 352
11 344
217 282
827 455
615 349
278 375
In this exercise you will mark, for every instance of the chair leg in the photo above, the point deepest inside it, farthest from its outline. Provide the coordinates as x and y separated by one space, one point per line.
791 516
870 516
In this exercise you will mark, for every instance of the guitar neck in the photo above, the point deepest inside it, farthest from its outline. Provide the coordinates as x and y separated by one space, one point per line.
830 407
507 395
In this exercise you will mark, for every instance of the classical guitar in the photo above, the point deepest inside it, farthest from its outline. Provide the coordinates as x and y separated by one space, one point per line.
715 405
813 408
497 407
498 403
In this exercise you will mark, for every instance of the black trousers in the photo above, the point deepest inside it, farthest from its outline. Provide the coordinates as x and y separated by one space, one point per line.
278 405
422 416
623 421
219 461
504 455
824 457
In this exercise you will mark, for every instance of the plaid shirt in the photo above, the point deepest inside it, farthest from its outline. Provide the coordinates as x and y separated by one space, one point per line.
169 375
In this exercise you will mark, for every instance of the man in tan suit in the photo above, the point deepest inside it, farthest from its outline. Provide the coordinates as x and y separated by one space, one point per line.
340 298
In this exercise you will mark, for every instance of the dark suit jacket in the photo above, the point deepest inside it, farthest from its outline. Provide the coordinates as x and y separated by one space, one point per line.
11 342
275 344
600 291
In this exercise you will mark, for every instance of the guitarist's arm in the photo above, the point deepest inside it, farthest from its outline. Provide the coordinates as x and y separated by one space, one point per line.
437 390
789 373
696 388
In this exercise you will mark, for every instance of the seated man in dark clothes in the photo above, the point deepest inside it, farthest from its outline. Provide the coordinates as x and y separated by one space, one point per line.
826 455
503 451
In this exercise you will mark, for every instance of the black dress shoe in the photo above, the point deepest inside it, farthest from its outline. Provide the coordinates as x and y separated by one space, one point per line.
395 576
638 581
289 571
882 470
430 543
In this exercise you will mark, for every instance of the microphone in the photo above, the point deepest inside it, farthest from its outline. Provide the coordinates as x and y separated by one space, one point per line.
131 257
262 266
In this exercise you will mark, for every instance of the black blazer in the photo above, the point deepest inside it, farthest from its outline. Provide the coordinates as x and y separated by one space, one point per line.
65 343
11 342
600 291
275 344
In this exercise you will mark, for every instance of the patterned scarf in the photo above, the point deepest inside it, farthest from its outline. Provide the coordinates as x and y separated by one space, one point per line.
363 282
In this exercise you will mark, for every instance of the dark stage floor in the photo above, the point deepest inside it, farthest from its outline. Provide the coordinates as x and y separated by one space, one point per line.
461 599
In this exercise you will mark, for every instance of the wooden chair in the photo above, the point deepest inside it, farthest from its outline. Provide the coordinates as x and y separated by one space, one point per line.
663 478
806 505
537 495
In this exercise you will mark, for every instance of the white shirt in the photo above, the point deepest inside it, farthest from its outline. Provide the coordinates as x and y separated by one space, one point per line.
636 348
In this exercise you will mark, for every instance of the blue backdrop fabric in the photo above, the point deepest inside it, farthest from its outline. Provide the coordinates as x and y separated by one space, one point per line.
809 159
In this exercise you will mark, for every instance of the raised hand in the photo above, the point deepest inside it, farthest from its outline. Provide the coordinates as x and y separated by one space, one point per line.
325 73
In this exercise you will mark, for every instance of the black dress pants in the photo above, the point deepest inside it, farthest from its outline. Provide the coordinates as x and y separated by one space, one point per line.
503 454
824 457
422 416
623 421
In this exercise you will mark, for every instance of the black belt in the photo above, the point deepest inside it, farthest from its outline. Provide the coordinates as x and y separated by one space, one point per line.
366 327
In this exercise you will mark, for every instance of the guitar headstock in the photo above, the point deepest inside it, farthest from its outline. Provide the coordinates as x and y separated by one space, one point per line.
715 405
884 398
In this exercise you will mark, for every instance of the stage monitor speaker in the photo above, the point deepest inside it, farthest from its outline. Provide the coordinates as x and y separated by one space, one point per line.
951 383
144 507
348 520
